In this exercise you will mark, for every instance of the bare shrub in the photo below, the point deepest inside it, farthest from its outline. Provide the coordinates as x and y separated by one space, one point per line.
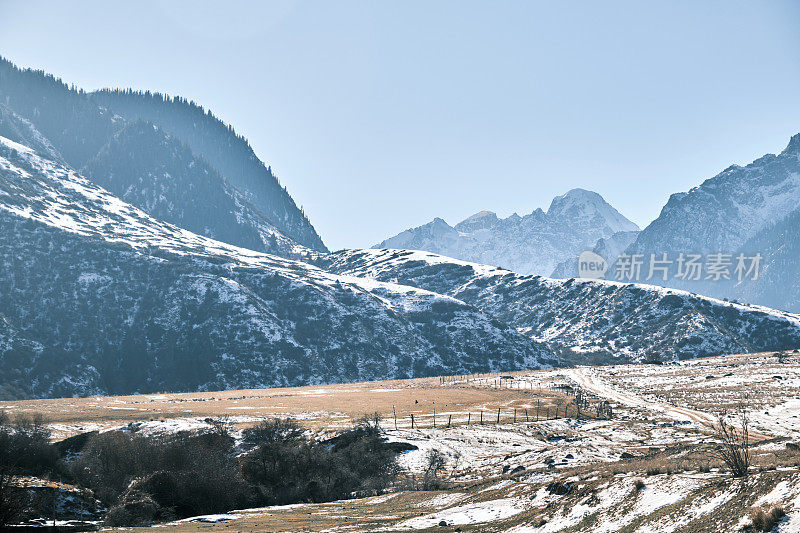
135 509
639 484
286 466
274 430
734 446
435 462
764 520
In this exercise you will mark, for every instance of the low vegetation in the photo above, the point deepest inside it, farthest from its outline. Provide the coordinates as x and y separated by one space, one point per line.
24 449
145 479
734 446
762 519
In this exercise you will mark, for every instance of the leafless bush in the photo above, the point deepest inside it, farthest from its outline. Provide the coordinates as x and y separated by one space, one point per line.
734 445
435 463
274 430
764 520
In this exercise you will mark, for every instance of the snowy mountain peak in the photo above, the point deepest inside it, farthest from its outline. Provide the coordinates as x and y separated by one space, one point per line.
581 205
480 220
750 209
575 196
532 244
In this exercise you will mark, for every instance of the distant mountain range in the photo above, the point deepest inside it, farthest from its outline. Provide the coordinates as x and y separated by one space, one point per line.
144 247
533 244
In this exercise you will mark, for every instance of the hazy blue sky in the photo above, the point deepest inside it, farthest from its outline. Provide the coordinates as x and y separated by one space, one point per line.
379 116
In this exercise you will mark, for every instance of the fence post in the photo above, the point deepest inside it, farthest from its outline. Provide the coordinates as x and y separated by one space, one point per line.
526 416
449 419
412 420
515 415
469 415
498 415
394 412
434 417
481 417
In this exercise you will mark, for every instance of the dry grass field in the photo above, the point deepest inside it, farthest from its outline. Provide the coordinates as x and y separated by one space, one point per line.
649 467
319 407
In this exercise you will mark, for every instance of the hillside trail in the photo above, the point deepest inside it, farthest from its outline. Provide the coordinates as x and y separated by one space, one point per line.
587 378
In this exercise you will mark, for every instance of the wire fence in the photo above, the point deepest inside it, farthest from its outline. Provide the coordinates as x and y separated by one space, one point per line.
578 406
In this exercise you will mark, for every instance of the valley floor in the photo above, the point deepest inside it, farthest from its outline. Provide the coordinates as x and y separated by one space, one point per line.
648 467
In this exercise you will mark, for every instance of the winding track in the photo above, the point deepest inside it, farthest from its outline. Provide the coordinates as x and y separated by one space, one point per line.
589 380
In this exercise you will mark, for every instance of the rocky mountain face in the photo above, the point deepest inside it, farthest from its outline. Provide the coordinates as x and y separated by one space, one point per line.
743 210
586 321
230 154
157 168
161 176
534 244
98 297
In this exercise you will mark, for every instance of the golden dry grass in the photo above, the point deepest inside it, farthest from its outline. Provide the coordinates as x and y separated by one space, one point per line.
318 406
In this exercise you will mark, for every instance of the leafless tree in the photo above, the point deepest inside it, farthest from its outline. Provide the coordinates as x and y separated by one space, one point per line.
436 462
734 446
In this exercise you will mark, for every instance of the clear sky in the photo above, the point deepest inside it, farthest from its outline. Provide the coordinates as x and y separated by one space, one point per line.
379 116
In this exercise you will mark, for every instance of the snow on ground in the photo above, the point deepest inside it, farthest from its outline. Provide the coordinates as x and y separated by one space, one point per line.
474 513
443 500
211 518
552 475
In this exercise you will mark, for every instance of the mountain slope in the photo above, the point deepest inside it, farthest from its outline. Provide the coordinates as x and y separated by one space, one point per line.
777 283
119 302
586 321
219 144
82 132
162 176
726 210
727 214
533 244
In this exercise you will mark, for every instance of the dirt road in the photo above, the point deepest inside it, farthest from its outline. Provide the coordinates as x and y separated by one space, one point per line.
589 380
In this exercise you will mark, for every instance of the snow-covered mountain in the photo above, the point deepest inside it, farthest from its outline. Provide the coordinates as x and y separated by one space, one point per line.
586 321
133 232
97 296
533 244
743 210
